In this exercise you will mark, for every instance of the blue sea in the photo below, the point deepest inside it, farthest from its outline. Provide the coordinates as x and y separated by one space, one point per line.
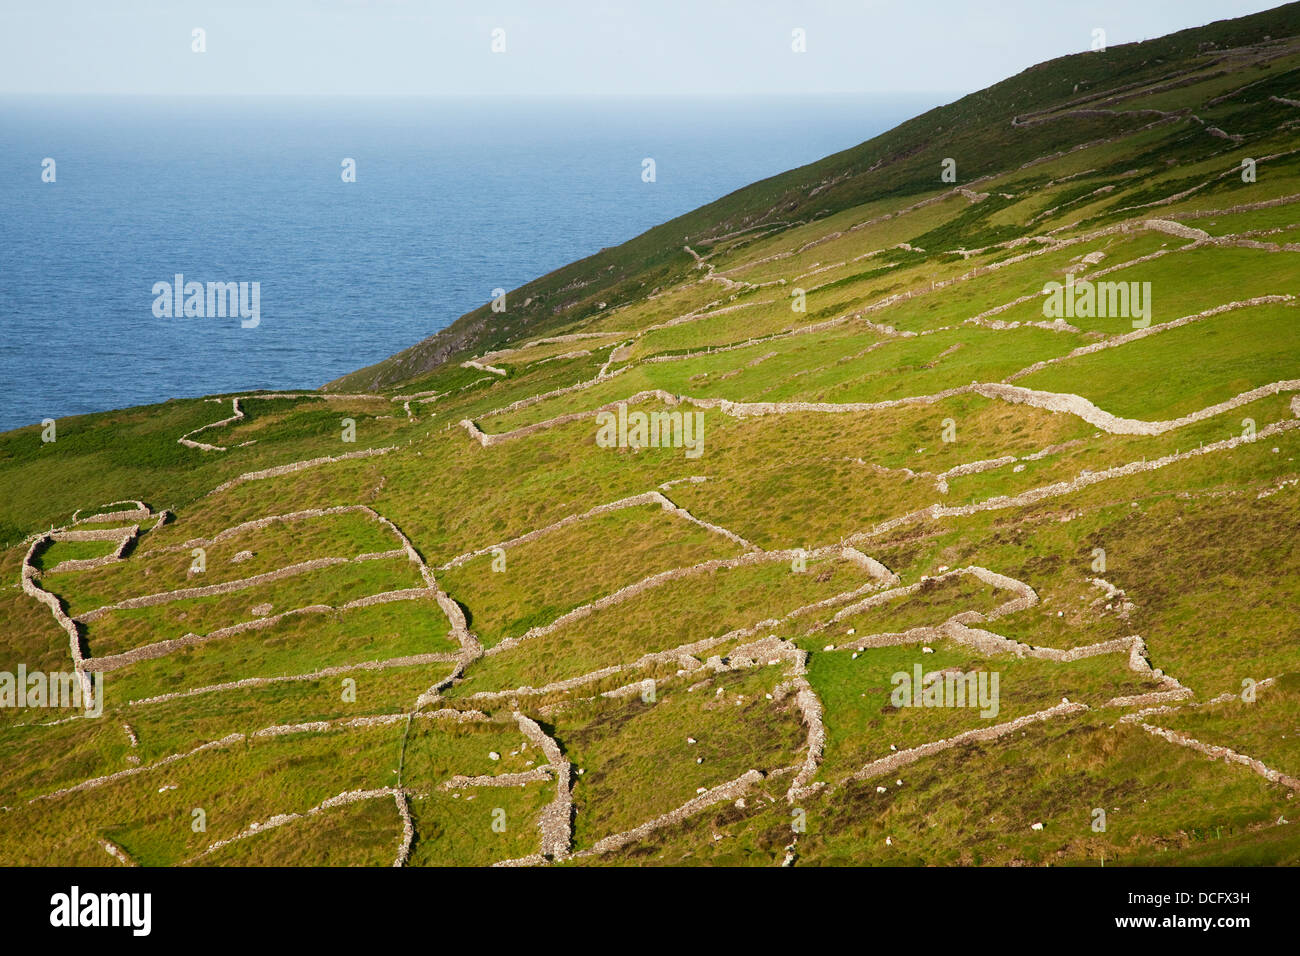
453 198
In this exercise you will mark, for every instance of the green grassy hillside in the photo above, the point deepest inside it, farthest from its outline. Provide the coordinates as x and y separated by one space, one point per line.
456 609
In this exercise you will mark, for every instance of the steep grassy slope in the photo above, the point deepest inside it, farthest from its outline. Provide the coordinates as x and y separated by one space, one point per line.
432 615
893 168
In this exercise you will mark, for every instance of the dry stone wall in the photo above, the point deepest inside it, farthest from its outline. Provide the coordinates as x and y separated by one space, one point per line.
1225 754
731 790
280 470
901 758
556 821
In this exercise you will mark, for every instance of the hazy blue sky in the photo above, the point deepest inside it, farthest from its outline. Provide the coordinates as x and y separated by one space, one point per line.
559 46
